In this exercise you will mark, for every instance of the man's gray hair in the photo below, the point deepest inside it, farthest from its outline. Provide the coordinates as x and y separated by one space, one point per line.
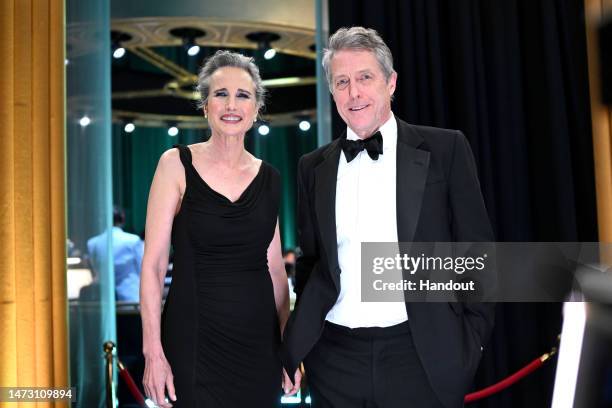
358 38
229 59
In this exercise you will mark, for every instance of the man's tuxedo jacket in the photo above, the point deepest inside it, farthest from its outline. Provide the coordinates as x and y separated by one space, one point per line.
438 199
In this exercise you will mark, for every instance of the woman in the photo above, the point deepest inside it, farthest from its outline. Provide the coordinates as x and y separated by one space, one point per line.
216 343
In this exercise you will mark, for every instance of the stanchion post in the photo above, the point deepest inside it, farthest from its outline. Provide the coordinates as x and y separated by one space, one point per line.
109 347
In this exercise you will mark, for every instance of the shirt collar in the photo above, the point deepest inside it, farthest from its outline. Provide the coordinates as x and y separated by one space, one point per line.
388 130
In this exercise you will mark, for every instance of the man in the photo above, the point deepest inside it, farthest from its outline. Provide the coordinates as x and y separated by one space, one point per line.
385 181
127 257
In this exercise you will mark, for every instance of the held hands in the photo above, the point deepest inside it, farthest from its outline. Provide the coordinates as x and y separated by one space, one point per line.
157 377
291 387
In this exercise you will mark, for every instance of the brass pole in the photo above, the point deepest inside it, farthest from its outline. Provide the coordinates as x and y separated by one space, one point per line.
109 347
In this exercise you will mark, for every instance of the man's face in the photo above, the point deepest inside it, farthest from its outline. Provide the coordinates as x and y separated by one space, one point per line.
360 90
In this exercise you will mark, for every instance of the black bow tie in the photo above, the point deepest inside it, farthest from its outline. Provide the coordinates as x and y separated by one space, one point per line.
373 145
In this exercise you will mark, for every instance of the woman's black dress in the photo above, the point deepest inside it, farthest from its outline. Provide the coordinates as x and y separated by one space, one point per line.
220 329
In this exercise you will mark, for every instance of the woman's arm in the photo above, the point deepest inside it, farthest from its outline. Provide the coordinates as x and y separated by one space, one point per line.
276 265
164 200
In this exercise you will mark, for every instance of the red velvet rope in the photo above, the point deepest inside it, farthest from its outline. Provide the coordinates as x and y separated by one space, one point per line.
506 382
125 374
474 396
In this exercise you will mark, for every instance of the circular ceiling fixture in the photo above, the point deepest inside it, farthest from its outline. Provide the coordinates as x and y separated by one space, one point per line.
188 36
117 38
264 40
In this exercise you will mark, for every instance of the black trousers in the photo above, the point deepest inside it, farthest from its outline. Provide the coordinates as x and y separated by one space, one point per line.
367 368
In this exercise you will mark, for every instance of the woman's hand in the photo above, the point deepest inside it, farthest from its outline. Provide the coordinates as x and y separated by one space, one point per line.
291 387
157 378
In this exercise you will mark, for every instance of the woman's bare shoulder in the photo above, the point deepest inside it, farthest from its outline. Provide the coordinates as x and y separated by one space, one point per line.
170 163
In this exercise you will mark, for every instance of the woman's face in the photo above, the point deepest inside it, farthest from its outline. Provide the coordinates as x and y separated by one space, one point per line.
231 105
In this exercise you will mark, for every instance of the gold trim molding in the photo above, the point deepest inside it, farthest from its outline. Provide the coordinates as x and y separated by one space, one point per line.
155 32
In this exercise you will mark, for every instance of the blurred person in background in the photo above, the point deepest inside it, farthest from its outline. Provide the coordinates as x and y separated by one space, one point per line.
127 257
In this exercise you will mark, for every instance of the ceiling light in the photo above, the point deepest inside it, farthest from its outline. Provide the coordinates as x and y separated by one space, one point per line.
263 130
118 52
304 125
264 39
189 36
193 50
129 127
84 121
117 38
173 131
270 53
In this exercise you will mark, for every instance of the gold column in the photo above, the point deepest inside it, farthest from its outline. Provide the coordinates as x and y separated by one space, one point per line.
601 117
33 299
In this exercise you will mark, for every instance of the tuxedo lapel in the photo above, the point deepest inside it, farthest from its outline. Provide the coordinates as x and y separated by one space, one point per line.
412 167
325 206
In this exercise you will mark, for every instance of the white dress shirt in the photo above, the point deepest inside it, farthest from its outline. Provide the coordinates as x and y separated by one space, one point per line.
365 212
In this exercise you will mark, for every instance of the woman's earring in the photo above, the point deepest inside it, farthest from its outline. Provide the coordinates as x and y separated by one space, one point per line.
205 114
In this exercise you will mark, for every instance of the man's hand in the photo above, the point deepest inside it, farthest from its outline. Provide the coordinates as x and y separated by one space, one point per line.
291 387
